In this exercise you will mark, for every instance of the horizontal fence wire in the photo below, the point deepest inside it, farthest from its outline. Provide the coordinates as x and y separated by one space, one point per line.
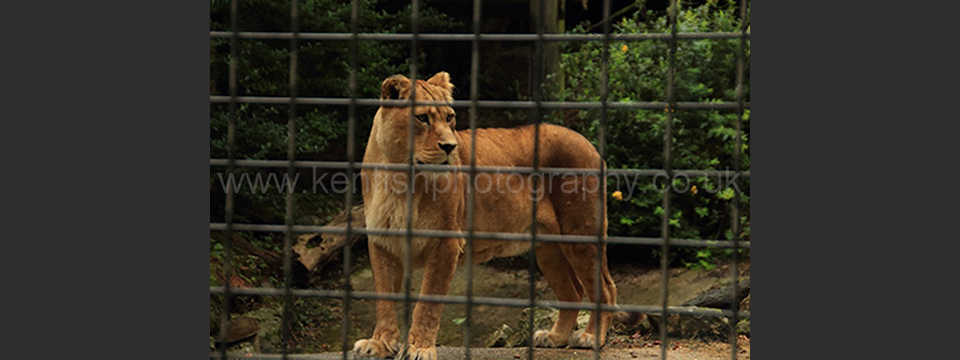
626 240
498 104
260 35
465 168
480 300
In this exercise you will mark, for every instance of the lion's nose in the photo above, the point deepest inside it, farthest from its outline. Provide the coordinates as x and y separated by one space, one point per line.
448 148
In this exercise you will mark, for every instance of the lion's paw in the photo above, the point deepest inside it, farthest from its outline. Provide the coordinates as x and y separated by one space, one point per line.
582 340
414 353
374 348
542 338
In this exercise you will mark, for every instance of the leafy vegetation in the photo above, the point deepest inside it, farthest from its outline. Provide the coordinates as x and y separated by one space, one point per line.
702 139
323 71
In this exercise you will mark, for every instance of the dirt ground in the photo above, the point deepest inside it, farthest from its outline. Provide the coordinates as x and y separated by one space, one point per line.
510 279
680 350
637 286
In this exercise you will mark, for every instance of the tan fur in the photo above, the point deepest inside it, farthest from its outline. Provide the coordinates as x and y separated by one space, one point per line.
569 207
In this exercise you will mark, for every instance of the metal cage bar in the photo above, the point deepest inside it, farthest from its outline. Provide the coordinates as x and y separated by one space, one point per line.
625 240
735 205
493 301
536 87
601 195
288 201
408 245
471 194
348 196
228 201
480 169
536 106
262 35
500 104
667 165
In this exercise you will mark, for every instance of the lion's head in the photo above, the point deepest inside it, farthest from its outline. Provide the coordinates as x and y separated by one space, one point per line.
434 139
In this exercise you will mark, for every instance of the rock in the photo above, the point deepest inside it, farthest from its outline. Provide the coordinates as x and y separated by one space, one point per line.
518 335
240 328
583 319
498 338
269 321
745 303
242 333
743 327
243 348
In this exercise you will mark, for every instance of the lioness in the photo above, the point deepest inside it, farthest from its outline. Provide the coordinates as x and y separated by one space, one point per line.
567 205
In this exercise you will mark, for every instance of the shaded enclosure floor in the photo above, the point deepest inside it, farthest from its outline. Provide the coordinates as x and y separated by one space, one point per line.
687 350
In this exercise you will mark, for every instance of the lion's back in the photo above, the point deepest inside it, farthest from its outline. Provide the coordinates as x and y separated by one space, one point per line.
510 147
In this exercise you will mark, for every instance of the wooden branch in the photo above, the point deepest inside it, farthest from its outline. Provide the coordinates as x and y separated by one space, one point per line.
314 250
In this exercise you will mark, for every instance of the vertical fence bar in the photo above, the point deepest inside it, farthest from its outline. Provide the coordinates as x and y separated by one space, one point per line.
351 144
291 157
228 201
602 186
535 93
471 194
735 206
667 142
407 247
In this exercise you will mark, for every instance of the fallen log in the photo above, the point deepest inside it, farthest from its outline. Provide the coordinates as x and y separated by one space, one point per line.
702 326
720 298
314 250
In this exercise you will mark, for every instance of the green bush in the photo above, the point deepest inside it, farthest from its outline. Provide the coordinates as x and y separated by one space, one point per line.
702 139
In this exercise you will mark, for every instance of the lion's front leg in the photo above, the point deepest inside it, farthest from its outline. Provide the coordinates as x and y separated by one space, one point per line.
437 276
387 278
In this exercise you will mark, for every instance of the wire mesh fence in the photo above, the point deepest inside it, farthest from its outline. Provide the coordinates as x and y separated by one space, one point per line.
537 105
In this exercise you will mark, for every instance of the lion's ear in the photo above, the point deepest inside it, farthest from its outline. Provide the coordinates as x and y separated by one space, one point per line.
394 86
442 79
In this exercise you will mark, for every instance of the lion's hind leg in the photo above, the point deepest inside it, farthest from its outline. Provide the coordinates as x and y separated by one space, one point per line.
563 280
577 202
583 259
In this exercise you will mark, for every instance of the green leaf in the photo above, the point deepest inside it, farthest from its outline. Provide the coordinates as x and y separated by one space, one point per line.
702 211
726 194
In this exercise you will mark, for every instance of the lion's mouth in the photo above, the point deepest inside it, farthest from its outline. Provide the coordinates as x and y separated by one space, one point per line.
445 162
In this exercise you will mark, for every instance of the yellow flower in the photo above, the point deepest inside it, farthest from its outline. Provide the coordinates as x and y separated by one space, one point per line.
624 48
693 189
618 195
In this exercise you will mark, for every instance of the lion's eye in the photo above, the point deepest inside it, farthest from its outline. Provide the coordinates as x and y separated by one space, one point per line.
423 118
450 117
